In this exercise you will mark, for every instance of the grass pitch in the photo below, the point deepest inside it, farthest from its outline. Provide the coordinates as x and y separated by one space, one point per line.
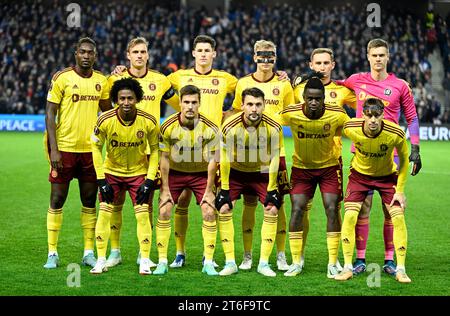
24 198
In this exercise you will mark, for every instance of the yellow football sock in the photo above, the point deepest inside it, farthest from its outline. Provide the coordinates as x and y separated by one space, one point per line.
400 234
248 224
103 228
296 242
333 246
88 220
306 225
226 229
163 230
144 230
116 226
209 233
268 234
281 230
348 230
181 221
54 222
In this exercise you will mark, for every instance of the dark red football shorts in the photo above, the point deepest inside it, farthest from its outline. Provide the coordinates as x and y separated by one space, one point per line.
75 165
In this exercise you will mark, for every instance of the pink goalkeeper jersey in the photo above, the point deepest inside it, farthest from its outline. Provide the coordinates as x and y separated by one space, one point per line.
395 94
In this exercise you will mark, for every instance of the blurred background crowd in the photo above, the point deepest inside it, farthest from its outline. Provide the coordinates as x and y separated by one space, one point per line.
35 42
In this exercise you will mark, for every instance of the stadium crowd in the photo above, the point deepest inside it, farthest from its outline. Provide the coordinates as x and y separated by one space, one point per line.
35 40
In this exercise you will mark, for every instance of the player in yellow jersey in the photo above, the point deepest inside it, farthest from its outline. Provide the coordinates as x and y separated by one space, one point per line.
75 97
373 168
214 86
188 146
155 85
277 95
126 131
156 88
397 97
322 64
249 161
314 126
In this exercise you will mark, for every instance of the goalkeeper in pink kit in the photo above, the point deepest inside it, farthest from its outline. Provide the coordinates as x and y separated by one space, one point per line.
397 97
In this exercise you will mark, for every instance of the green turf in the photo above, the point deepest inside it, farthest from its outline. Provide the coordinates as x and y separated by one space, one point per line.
24 196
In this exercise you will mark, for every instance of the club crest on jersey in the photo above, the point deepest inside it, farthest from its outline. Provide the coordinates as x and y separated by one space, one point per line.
333 94
276 91
140 133
387 91
152 86
190 80
383 147
326 127
54 173
98 87
215 82
96 131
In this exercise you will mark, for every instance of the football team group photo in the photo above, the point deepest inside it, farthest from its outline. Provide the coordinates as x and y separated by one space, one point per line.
225 148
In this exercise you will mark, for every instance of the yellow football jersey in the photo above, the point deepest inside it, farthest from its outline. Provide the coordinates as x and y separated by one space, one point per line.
189 149
78 98
277 95
334 95
214 87
250 149
314 139
374 156
156 87
125 145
